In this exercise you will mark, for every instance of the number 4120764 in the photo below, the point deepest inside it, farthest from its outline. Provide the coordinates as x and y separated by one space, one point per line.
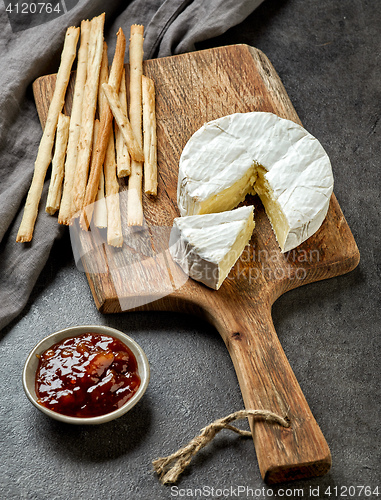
33 8
352 491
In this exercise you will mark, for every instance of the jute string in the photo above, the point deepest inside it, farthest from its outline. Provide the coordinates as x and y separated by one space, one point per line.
169 468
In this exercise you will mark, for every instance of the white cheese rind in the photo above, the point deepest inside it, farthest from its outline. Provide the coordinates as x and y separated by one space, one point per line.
223 151
207 246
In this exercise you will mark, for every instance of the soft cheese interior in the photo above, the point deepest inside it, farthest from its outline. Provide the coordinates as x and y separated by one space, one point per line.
207 246
258 152
273 209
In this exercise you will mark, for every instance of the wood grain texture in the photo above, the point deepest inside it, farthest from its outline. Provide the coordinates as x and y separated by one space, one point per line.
190 90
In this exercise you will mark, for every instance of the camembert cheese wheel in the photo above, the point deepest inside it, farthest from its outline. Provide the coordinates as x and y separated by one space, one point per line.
258 152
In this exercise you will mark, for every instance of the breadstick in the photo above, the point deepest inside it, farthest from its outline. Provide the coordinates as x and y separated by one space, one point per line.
44 154
100 209
103 78
65 213
88 112
123 122
58 164
123 159
114 224
149 134
104 131
134 202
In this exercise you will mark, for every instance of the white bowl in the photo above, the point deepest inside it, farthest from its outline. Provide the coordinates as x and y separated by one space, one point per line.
31 365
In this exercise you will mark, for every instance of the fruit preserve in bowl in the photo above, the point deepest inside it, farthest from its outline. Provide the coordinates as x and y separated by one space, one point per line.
86 374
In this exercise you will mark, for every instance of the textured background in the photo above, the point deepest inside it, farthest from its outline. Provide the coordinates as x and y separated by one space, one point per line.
327 54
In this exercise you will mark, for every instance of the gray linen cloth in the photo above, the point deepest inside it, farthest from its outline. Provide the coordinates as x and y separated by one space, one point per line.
29 51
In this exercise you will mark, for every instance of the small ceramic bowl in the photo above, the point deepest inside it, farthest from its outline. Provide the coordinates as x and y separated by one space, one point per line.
31 365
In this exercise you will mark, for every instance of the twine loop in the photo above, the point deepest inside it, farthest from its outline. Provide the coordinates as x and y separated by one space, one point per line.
169 468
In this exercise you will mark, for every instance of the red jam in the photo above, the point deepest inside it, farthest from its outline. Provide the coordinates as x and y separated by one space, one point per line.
87 376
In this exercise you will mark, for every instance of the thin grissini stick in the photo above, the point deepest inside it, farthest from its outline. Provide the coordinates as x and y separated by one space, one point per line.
44 155
136 72
58 165
134 201
123 123
149 136
65 212
103 78
88 112
123 159
100 209
114 224
104 132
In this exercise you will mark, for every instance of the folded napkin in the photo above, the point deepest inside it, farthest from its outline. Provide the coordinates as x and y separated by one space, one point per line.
31 50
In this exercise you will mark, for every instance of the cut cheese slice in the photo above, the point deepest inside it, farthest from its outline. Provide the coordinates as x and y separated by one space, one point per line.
207 246
260 153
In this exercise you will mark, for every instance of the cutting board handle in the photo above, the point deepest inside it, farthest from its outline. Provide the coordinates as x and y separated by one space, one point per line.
268 382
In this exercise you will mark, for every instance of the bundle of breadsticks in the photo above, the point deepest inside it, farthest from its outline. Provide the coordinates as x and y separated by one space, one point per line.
90 154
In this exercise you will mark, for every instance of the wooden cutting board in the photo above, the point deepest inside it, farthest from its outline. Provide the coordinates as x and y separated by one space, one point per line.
192 89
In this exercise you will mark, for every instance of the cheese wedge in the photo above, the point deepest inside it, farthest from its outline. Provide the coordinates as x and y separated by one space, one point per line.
207 246
260 153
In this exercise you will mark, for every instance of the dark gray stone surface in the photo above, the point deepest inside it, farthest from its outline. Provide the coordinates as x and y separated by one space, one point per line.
327 54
